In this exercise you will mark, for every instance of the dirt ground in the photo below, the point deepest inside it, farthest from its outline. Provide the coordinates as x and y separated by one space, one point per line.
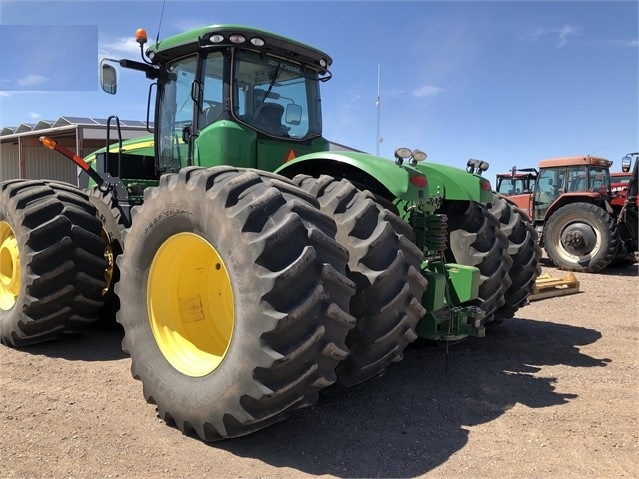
552 393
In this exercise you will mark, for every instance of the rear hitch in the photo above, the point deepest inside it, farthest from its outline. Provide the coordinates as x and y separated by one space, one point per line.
104 181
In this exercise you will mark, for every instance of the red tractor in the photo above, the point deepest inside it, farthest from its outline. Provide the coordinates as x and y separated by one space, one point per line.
570 202
625 204
517 182
621 180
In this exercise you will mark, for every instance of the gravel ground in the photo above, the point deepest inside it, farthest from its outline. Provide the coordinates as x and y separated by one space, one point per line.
552 393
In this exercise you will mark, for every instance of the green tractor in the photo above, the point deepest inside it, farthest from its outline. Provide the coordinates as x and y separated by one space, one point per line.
250 266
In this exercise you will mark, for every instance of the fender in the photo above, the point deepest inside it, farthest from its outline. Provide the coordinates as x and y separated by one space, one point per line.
452 183
578 197
377 174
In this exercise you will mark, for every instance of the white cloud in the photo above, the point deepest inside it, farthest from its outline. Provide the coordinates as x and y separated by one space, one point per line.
122 45
32 80
35 116
186 24
427 90
5 94
561 34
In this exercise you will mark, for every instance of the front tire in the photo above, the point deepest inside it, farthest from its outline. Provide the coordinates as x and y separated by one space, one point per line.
233 300
581 237
385 266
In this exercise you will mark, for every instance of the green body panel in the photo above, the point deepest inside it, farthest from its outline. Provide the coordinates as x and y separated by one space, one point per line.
456 284
229 143
463 285
226 143
449 287
435 295
464 282
452 183
361 168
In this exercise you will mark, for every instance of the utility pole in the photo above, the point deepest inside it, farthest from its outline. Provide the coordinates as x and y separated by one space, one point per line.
379 105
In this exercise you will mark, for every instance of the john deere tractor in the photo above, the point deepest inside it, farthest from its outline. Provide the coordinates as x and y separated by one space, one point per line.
249 266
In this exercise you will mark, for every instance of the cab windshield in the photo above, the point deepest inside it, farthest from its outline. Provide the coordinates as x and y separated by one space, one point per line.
275 96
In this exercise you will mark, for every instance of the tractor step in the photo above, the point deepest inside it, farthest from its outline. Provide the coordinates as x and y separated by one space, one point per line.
547 287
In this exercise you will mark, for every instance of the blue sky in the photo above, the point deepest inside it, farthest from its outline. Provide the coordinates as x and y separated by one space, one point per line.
32 59
508 82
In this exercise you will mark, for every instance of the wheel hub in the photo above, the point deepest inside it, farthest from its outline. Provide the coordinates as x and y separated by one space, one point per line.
579 239
574 240
109 256
9 267
190 304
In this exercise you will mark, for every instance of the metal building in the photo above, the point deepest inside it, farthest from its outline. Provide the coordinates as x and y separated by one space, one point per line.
22 155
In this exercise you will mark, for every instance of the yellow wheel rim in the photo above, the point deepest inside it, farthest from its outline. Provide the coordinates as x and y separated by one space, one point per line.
109 256
9 267
190 304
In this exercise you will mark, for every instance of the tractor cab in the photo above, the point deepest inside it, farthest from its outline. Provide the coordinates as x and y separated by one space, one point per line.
229 94
565 180
518 185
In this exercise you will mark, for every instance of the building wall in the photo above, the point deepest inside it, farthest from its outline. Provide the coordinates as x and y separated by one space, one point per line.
41 163
9 167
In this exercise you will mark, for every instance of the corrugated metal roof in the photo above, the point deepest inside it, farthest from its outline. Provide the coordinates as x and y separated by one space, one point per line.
68 121
25 127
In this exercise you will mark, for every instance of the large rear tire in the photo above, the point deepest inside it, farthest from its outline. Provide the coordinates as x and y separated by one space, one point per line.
524 250
581 237
51 262
385 266
475 239
234 300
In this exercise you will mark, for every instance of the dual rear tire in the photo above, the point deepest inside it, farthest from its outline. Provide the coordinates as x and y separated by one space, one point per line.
51 261
385 266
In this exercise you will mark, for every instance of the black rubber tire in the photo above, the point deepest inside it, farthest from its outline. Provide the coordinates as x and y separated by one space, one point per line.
385 266
290 298
475 239
60 261
592 220
628 228
88 255
114 222
524 250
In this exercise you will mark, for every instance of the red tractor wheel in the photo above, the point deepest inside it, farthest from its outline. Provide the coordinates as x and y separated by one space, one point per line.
581 237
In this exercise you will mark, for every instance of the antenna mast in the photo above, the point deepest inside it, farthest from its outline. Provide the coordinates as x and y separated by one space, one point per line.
157 39
378 103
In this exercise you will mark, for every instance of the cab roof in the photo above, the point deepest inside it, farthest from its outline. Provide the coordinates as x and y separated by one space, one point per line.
200 38
574 161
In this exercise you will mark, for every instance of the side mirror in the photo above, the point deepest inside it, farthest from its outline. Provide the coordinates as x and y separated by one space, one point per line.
626 161
293 114
108 78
